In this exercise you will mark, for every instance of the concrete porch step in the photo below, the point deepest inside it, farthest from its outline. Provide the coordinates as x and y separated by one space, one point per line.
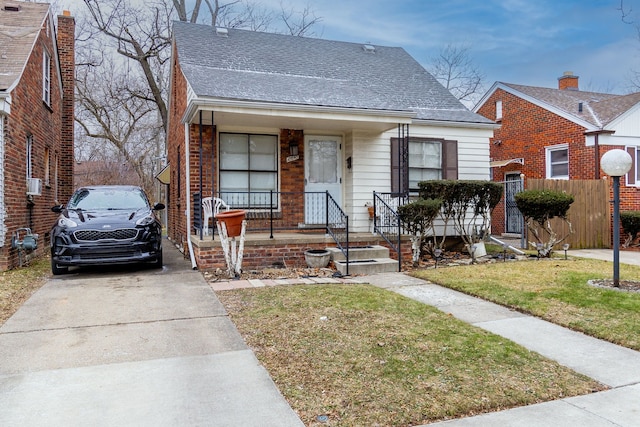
367 266
360 253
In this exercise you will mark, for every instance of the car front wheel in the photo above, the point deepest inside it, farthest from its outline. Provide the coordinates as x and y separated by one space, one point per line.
57 269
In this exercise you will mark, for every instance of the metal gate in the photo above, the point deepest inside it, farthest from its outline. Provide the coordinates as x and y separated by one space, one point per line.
514 222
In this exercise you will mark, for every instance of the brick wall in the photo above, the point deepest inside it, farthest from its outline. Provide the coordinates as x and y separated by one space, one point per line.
30 116
526 129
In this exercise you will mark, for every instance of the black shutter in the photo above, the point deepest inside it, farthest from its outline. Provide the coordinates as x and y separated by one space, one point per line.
449 159
399 165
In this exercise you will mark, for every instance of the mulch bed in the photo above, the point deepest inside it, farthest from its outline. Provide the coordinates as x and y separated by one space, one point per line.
625 285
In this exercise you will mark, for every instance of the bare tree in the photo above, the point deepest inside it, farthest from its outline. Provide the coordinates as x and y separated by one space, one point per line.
627 17
123 53
455 70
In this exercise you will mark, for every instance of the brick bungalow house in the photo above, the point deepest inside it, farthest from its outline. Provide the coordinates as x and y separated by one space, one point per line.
559 133
36 121
272 124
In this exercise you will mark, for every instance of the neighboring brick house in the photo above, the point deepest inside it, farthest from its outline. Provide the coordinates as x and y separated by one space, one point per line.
253 113
559 133
36 121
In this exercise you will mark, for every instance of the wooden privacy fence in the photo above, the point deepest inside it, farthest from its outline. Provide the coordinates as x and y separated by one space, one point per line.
589 214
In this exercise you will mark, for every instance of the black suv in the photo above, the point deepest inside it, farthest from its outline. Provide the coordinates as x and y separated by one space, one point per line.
110 224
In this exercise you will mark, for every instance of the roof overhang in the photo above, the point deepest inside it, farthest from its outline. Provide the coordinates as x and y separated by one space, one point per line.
502 163
5 103
287 116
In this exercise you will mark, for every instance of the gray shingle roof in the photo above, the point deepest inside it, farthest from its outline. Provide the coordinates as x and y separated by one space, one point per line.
265 67
598 109
18 32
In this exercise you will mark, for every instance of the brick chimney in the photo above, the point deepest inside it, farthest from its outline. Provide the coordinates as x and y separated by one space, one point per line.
66 52
568 81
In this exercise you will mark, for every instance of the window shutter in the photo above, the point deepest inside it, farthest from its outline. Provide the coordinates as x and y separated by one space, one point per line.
449 159
632 174
399 172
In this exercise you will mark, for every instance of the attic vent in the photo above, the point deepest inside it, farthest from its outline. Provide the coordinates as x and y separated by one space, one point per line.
12 8
580 107
222 32
369 48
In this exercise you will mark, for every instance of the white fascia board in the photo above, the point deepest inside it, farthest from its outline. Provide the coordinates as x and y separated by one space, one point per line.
451 124
298 111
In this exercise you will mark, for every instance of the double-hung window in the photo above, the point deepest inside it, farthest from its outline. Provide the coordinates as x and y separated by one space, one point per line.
425 159
248 168
557 161
46 78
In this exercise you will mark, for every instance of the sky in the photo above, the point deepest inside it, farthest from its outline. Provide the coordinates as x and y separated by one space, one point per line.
529 42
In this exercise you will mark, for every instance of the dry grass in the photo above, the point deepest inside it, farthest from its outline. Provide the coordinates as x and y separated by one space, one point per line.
16 286
361 355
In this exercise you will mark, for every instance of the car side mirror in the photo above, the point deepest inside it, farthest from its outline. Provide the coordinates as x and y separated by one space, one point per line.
58 208
158 206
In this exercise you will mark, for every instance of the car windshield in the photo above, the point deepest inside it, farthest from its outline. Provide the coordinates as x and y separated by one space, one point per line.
108 199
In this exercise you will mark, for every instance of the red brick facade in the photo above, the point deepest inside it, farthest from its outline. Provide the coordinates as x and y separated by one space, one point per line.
50 127
527 130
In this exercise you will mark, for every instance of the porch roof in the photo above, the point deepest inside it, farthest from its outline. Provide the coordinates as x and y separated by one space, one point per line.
237 113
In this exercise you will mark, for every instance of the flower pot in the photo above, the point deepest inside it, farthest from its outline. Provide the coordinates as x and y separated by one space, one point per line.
317 258
232 220
371 212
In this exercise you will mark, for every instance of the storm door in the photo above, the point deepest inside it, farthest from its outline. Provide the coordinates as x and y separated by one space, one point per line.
322 172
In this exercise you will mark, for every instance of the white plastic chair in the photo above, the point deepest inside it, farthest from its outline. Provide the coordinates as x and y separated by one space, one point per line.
210 207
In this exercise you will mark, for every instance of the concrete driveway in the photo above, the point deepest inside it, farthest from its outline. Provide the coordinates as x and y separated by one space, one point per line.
132 347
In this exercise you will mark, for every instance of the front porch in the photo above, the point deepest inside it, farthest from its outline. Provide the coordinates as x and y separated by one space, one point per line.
285 249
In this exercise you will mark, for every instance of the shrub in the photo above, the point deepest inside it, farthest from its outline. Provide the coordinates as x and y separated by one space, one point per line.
539 207
417 218
467 203
631 224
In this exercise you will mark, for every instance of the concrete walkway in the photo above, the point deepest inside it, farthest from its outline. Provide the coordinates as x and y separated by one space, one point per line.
132 347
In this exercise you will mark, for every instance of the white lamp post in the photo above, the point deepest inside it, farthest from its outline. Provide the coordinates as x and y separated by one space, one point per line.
616 163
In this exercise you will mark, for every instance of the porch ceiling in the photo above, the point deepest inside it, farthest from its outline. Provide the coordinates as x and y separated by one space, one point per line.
297 117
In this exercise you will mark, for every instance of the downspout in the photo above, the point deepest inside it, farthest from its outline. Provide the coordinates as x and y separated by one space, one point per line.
597 153
187 211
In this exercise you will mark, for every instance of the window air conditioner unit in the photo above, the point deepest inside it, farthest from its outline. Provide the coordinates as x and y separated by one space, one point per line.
34 186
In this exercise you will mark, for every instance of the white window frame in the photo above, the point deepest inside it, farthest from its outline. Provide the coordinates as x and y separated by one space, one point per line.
46 78
548 151
422 142
498 110
250 169
631 177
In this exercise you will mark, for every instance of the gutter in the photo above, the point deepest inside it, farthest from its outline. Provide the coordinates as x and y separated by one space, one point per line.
187 212
596 134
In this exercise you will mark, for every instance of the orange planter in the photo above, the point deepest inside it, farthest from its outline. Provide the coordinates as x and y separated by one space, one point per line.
232 220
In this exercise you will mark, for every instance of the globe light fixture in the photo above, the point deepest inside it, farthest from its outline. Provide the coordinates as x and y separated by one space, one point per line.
616 163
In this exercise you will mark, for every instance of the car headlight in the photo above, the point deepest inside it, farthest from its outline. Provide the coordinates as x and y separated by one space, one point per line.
66 222
147 220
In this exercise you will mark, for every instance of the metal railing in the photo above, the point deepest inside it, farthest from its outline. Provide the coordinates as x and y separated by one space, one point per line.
338 227
386 220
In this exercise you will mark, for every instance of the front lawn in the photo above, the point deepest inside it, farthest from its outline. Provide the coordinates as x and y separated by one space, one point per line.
360 355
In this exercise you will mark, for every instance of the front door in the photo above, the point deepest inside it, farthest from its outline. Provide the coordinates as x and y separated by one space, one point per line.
322 172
